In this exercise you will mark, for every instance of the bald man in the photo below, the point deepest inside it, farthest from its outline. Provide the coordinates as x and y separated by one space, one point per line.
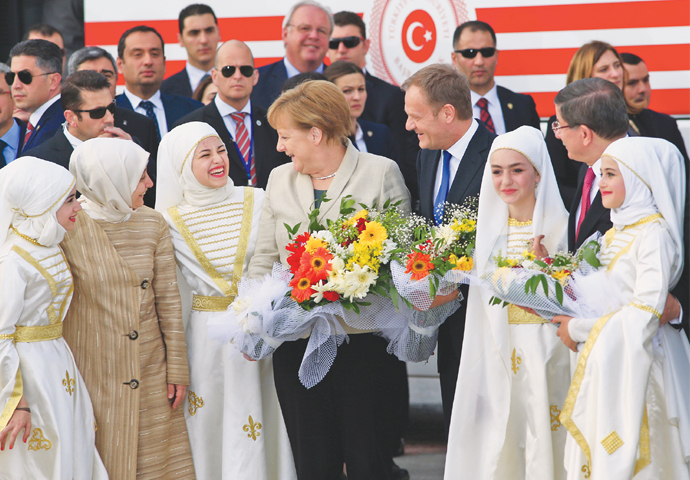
250 140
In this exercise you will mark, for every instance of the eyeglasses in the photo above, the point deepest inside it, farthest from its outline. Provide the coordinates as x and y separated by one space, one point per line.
305 29
555 126
99 112
229 70
472 52
349 42
25 77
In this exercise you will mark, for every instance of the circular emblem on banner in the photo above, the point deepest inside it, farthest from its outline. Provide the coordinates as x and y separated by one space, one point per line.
407 35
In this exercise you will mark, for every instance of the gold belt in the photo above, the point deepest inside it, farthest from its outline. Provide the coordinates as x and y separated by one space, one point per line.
40 333
517 316
202 303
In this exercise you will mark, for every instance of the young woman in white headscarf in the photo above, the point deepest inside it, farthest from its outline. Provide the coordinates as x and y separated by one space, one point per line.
125 322
514 372
627 409
233 416
41 390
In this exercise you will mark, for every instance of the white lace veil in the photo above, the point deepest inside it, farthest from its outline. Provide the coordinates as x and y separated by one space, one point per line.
108 171
654 176
177 184
33 190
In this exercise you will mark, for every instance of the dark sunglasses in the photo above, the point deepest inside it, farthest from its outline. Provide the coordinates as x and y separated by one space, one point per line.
24 76
229 70
99 112
472 52
349 42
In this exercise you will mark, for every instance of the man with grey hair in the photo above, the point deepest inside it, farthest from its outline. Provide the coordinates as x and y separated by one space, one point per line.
454 149
306 30
35 75
11 130
135 124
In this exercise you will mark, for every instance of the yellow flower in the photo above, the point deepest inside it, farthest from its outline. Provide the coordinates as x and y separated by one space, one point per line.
528 255
464 263
314 243
465 226
561 275
373 234
360 214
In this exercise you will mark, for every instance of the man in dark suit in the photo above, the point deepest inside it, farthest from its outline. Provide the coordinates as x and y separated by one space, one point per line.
199 35
241 124
306 30
385 102
643 121
11 130
476 56
141 61
36 89
590 115
450 164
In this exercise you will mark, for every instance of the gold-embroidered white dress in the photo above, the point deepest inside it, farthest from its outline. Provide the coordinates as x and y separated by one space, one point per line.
234 420
513 379
35 361
616 410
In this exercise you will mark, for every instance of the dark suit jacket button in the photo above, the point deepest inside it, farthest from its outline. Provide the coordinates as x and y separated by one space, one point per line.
133 384
145 284
133 335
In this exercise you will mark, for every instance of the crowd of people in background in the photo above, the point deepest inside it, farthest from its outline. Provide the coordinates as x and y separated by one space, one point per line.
203 168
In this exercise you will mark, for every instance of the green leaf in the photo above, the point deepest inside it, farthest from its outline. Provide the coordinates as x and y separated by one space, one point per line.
541 264
590 256
559 293
545 284
395 298
432 290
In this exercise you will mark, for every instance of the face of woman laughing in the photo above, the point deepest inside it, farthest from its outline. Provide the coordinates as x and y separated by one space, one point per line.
144 184
210 163
67 213
611 185
299 145
515 178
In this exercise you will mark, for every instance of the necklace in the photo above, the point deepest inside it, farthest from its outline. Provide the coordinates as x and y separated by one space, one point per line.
516 223
25 237
324 178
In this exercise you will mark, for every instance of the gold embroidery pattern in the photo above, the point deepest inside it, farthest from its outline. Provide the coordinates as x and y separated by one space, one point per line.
68 383
244 234
211 304
7 336
516 223
40 333
195 402
38 441
516 361
612 442
252 428
586 471
517 316
31 260
644 447
647 309
555 422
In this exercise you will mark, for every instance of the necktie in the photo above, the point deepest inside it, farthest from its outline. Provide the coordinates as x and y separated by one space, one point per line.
633 131
484 115
29 129
584 203
148 106
443 190
3 144
243 144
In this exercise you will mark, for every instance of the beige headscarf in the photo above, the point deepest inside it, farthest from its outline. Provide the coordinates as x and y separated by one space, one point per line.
32 191
108 171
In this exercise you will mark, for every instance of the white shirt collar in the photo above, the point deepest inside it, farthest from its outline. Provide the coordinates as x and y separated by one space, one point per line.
224 109
292 70
491 96
74 141
195 75
135 101
459 148
36 116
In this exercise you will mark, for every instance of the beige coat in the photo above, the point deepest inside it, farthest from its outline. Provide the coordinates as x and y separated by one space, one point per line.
290 196
125 329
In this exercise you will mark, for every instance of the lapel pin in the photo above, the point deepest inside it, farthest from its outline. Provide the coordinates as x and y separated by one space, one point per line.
124 122
258 123
510 106
370 133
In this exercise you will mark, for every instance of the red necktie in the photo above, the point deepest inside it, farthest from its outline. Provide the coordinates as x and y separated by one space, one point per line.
584 203
244 143
484 115
29 129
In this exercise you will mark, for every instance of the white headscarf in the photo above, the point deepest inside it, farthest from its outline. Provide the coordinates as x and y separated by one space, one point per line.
33 190
550 218
654 176
177 184
108 171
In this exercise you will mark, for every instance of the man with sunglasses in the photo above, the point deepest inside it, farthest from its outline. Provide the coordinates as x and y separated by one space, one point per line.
35 75
475 56
89 107
11 130
241 124
306 30
385 102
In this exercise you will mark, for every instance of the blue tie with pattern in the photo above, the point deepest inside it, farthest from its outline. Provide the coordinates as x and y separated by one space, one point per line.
148 106
443 190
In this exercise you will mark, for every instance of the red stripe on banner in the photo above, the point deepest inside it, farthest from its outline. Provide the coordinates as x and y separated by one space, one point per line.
556 60
659 13
544 101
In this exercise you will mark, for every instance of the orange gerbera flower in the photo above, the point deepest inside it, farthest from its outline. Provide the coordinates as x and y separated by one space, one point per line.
316 265
419 265
302 289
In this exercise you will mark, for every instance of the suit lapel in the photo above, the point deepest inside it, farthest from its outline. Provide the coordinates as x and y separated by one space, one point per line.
573 207
214 118
471 165
169 108
508 113
123 101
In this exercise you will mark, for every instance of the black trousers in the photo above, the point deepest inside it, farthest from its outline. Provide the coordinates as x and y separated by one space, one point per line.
342 419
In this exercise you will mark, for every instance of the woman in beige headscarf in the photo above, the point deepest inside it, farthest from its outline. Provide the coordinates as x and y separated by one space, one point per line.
125 322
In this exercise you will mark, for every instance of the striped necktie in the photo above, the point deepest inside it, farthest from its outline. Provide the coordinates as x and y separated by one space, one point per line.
244 145
484 114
